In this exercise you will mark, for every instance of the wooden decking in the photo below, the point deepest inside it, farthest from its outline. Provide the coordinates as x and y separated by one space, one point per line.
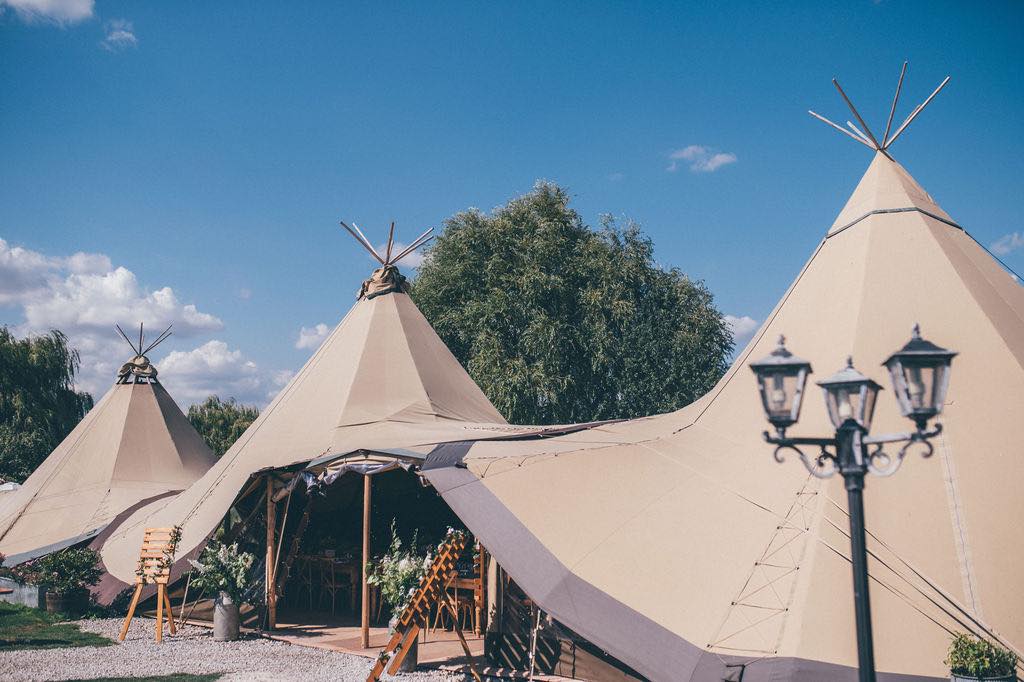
438 649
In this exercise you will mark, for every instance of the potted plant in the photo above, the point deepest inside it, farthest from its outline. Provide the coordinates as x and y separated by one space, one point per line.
223 571
397 574
67 576
972 659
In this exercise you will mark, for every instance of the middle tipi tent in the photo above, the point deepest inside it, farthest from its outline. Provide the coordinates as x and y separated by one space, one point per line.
381 381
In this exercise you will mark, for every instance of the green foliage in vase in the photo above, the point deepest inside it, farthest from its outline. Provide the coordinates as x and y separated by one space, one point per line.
222 568
398 573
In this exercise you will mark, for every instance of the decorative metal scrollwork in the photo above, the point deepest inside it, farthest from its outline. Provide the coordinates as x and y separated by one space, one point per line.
822 466
881 463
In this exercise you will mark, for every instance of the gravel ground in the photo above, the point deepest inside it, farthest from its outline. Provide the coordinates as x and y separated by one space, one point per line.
193 651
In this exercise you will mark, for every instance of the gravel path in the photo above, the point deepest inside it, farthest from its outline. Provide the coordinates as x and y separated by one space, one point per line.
193 651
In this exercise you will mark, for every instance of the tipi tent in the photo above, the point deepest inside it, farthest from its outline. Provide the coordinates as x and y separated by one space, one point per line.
134 445
680 546
381 381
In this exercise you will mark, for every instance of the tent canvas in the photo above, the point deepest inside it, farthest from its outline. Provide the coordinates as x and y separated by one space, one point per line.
134 445
687 552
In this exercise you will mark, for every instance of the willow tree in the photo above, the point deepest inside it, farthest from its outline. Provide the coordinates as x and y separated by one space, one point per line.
560 323
38 402
221 422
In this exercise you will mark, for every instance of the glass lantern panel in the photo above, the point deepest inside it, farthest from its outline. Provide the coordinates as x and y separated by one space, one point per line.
920 386
779 390
899 387
868 394
843 403
940 382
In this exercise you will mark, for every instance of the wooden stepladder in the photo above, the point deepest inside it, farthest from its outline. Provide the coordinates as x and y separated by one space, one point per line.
155 560
416 615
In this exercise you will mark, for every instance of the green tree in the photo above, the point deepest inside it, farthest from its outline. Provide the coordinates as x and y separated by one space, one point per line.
221 422
38 402
560 323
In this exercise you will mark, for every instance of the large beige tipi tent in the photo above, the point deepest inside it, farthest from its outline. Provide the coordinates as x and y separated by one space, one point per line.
680 546
134 445
381 381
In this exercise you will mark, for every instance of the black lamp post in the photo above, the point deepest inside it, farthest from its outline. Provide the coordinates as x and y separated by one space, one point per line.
920 376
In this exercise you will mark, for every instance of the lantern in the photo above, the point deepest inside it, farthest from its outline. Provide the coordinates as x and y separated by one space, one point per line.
781 378
920 377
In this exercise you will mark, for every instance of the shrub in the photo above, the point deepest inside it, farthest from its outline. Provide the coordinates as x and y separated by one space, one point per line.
64 572
974 657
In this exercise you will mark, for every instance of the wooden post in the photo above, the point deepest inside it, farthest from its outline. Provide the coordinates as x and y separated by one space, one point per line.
270 590
366 561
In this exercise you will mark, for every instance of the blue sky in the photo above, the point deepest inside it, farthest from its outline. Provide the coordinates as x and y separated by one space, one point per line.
198 156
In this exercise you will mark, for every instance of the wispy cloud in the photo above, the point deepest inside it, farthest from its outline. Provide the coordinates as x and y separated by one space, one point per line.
59 12
616 177
1007 244
742 328
120 35
312 337
700 159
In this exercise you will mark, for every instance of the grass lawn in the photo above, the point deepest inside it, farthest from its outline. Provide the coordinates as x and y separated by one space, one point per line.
177 677
25 628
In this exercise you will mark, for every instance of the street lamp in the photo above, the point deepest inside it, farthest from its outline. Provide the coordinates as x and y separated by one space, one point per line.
920 376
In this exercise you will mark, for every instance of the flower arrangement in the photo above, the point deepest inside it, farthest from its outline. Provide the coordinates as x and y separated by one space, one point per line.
222 568
974 657
66 572
398 573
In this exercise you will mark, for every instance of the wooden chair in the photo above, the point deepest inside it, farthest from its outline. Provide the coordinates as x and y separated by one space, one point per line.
331 585
155 560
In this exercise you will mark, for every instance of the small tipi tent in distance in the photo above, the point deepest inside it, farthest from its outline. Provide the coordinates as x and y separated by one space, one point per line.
134 446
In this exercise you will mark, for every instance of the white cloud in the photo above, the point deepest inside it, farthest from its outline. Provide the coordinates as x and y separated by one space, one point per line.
56 11
616 177
312 337
700 159
742 328
212 368
84 295
245 294
1007 244
215 369
120 35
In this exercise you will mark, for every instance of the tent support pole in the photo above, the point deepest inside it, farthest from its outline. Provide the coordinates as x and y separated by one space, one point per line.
366 562
271 591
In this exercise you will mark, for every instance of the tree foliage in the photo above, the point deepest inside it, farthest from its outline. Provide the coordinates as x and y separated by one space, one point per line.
221 422
559 323
38 402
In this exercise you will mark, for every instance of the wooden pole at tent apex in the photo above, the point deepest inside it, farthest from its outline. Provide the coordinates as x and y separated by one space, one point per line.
270 592
367 490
